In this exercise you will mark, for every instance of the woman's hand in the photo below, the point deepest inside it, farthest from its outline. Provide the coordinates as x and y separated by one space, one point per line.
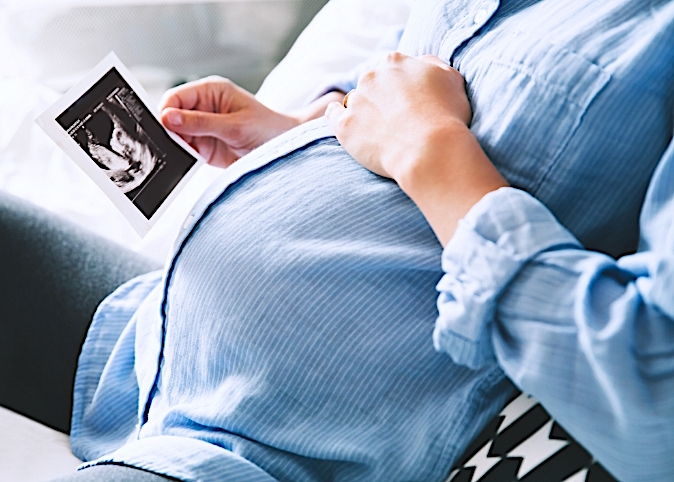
223 122
408 120
220 120
396 106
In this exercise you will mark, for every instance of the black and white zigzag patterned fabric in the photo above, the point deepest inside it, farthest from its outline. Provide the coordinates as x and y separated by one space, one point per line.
523 443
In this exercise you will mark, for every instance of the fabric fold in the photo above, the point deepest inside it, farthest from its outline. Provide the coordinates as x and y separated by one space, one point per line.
499 235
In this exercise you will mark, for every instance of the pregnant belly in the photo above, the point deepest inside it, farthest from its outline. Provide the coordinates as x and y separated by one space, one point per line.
301 312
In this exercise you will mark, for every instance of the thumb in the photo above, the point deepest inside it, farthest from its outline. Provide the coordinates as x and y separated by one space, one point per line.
334 113
197 123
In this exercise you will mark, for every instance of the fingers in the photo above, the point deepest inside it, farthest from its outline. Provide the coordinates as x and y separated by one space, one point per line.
184 96
194 94
335 113
199 123
217 153
399 58
434 59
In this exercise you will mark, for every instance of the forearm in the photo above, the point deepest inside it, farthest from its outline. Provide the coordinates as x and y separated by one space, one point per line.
446 176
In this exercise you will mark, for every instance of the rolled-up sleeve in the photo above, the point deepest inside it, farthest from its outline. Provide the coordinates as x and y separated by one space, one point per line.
491 245
591 337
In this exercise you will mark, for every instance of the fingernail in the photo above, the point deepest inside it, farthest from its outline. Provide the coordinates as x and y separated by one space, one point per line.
329 109
175 118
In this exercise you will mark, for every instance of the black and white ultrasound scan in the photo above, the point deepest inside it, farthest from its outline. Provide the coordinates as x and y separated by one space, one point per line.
123 141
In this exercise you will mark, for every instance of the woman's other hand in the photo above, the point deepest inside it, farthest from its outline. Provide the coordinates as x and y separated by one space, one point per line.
408 120
220 120
223 122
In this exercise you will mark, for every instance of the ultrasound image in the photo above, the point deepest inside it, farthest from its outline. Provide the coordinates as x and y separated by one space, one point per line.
117 131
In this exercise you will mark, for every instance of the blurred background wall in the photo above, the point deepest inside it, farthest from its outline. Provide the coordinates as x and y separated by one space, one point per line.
163 42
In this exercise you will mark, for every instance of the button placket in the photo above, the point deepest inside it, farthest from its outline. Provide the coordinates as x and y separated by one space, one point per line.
470 20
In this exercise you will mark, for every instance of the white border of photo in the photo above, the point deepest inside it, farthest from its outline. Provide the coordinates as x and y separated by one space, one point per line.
47 121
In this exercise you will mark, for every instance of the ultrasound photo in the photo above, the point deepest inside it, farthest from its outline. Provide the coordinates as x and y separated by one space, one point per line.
118 132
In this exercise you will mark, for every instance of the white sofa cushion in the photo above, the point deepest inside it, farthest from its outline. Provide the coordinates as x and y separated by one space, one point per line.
31 452
341 36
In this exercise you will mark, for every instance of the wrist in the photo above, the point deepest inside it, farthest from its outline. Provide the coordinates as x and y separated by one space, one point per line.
432 155
447 176
317 108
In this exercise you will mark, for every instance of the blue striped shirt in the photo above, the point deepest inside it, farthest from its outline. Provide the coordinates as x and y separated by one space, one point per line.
295 336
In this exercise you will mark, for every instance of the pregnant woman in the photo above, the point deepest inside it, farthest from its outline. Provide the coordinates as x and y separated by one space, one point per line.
294 334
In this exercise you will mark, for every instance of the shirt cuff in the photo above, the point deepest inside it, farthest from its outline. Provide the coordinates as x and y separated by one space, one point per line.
498 236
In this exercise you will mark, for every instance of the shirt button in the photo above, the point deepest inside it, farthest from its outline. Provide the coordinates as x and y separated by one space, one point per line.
188 221
481 16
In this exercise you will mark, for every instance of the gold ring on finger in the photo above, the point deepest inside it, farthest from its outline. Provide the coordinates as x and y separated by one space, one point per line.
346 98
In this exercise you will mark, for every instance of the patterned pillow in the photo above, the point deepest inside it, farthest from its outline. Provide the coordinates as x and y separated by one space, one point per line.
523 443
